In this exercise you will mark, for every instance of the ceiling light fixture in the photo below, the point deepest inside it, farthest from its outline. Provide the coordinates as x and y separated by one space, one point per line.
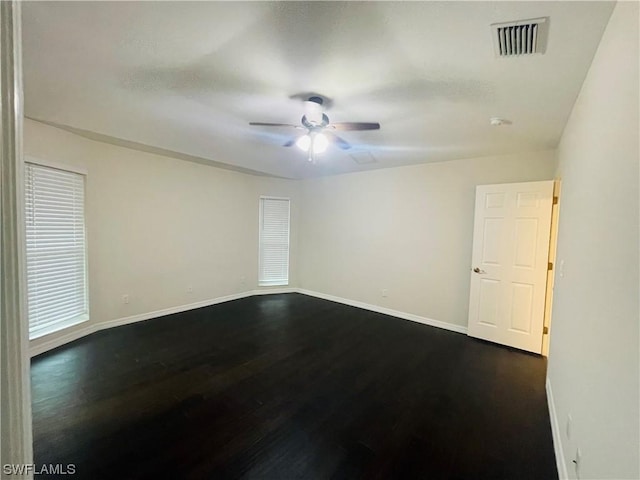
315 123
303 143
313 110
320 143
313 143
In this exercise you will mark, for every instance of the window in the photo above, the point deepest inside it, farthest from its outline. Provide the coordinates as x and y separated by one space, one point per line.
274 241
56 249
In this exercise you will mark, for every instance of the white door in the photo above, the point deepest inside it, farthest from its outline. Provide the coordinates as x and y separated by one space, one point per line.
509 263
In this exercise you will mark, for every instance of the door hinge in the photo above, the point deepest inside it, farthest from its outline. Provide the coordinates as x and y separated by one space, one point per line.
550 266
555 200
545 330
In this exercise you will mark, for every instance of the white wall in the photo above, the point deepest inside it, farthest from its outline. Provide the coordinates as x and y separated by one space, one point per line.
593 359
158 225
408 230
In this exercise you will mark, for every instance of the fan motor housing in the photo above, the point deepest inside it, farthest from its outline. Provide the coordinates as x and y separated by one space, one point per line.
312 125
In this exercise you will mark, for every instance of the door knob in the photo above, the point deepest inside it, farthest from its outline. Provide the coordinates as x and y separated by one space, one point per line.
477 270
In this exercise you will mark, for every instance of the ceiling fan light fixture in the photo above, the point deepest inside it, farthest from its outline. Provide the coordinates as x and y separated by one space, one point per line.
317 142
303 143
314 122
320 143
313 112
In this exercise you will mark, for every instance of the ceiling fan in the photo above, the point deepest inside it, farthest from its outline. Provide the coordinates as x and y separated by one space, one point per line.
319 129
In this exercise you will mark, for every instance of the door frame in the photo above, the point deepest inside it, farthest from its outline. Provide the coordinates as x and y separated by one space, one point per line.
553 243
16 436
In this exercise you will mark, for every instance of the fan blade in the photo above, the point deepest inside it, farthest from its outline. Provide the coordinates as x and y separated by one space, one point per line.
355 126
263 124
340 142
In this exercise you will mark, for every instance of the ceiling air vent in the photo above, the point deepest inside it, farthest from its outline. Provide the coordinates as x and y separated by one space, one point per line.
524 37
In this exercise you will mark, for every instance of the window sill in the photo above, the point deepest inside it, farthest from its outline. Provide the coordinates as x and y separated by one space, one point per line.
59 327
274 283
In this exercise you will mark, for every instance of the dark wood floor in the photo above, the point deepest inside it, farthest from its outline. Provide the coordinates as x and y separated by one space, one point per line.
290 386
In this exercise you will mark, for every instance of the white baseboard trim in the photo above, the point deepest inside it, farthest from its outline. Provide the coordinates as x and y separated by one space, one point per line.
171 310
37 347
555 431
387 311
58 340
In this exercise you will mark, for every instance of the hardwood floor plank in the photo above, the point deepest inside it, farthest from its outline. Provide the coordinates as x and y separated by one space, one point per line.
290 386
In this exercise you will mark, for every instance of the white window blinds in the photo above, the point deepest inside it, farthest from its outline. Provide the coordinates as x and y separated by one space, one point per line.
274 241
56 249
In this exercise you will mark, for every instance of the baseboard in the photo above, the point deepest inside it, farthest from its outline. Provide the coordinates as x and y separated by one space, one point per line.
191 306
386 311
38 346
555 431
171 310
60 339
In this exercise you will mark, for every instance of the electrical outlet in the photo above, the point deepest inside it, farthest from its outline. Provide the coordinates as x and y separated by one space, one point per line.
385 292
569 426
125 299
561 269
243 280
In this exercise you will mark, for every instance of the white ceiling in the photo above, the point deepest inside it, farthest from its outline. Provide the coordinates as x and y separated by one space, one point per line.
188 77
